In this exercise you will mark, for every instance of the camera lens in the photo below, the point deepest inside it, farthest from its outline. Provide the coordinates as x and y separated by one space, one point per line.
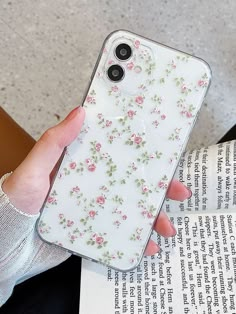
115 73
123 52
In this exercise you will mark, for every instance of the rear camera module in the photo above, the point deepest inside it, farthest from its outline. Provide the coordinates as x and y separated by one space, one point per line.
115 73
123 52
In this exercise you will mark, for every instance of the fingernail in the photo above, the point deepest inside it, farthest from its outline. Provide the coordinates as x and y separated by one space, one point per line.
189 193
73 113
173 230
186 194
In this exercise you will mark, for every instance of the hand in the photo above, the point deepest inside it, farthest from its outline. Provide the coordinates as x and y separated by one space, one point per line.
28 185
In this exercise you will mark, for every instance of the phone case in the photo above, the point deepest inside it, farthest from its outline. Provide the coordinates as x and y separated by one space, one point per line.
113 178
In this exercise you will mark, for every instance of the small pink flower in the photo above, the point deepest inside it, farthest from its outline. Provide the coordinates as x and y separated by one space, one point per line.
173 64
133 136
137 44
61 216
73 237
99 115
130 65
201 83
110 62
92 213
76 189
131 114
89 99
139 100
100 200
51 199
124 217
88 161
144 212
188 114
161 184
70 223
99 240
117 223
149 215
91 167
72 165
151 156
145 189
163 116
108 123
114 88
184 88
138 140
155 123
98 147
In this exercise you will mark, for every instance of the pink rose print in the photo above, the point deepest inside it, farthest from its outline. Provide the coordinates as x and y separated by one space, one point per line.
51 199
117 223
100 200
139 100
72 165
108 123
155 123
124 217
173 65
88 161
91 167
98 147
70 223
149 215
131 114
202 83
138 139
114 88
163 116
162 184
75 189
130 65
92 213
184 88
136 44
99 240
61 216
137 235
145 189
110 62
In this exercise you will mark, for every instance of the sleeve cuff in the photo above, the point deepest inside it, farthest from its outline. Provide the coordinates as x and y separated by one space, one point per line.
15 225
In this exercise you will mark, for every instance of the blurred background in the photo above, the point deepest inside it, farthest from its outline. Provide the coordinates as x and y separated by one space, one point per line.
48 50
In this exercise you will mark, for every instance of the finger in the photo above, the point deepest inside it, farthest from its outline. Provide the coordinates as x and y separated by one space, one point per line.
178 191
164 226
50 146
152 248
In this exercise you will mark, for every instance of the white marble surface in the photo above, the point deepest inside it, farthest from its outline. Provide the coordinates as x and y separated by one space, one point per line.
48 50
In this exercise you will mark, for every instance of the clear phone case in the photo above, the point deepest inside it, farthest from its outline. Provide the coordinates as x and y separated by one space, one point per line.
113 178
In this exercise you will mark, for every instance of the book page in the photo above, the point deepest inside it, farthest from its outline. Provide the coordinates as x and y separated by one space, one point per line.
196 271
210 173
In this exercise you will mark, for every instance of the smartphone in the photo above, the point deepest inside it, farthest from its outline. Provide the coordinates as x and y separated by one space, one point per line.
141 105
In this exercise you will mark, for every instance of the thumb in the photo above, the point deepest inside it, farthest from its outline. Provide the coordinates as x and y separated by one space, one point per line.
46 152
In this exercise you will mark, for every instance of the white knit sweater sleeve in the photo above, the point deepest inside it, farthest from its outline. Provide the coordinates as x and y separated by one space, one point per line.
22 253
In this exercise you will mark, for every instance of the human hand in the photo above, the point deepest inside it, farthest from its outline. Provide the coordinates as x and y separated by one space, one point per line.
28 186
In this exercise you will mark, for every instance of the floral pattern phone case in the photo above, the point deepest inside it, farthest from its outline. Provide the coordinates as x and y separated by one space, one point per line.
113 178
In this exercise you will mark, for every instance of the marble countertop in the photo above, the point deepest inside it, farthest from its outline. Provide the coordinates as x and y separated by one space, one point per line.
48 50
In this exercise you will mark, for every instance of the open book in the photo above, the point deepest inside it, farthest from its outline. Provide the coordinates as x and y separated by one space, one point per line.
196 271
